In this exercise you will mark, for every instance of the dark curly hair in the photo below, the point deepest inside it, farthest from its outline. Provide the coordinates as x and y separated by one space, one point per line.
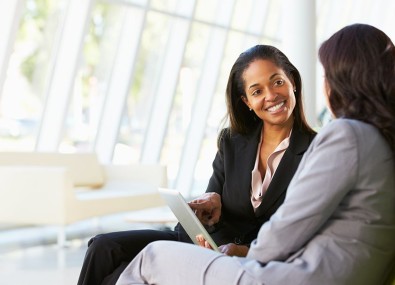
359 64
241 120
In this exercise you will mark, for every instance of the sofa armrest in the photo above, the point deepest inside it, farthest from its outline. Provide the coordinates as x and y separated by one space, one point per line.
34 195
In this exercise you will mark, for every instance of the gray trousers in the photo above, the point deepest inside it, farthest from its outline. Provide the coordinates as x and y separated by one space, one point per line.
174 263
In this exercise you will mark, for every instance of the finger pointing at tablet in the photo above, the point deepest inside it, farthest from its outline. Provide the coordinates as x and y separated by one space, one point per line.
207 208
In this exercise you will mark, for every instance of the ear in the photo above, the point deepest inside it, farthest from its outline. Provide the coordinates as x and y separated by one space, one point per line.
327 88
245 100
293 84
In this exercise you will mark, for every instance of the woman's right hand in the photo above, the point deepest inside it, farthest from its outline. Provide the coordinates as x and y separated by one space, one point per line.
207 208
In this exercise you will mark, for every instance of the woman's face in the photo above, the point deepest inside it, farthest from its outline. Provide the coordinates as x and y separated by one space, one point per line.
269 93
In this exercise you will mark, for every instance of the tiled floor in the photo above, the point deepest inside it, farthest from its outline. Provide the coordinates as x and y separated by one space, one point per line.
30 256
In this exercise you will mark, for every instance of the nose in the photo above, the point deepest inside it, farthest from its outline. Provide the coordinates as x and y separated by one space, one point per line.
271 96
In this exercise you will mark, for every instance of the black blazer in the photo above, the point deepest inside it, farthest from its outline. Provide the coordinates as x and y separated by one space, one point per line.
231 179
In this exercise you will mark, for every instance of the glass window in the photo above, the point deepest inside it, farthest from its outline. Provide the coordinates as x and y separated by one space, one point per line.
177 7
143 90
153 58
92 77
212 12
242 14
28 74
184 98
272 21
133 2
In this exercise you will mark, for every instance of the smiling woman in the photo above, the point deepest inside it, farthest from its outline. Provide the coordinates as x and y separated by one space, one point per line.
264 97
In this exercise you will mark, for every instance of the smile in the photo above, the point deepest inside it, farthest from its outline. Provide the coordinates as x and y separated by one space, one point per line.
275 107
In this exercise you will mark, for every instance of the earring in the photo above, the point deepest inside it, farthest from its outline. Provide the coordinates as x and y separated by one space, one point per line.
250 109
294 90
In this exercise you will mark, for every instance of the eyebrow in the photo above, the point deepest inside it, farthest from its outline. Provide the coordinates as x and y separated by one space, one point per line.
270 78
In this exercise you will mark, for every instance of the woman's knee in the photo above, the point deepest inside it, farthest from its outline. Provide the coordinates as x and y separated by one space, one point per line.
100 242
161 248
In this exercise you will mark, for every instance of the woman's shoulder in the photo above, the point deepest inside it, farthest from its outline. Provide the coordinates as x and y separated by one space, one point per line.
299 133
353 131
300 140
227 134
344 125
228 138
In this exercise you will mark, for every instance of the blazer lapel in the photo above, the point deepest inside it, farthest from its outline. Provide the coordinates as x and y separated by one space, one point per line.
299 142
245 156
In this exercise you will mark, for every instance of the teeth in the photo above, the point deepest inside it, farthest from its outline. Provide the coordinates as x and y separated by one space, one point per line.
276 107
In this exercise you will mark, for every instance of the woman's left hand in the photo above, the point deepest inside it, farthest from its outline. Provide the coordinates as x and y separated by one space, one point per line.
230 249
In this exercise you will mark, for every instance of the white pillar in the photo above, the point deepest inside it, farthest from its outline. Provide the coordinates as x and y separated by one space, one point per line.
299 44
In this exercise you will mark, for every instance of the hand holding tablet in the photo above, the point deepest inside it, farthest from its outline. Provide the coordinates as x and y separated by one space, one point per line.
186 216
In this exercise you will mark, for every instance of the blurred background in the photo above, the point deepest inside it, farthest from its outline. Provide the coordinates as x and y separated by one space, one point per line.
143 81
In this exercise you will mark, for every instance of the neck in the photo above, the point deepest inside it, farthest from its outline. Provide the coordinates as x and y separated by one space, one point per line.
275 134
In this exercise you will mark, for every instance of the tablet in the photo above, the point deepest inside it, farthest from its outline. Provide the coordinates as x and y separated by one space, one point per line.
186 216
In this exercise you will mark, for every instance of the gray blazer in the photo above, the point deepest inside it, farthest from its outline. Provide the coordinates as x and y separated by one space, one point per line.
337 223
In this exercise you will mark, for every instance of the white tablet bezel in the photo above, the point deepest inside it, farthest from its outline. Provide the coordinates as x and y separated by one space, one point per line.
186 216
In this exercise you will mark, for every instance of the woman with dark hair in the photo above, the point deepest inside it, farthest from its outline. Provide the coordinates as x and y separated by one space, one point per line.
257 156
368 95
337 222
242 120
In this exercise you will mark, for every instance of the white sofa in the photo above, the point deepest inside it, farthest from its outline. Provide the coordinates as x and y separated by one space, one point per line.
59 189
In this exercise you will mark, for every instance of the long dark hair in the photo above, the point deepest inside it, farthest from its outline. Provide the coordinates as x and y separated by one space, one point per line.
359 64
241 120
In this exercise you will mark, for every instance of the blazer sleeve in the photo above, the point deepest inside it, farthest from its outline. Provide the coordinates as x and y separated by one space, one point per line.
325 175
217 179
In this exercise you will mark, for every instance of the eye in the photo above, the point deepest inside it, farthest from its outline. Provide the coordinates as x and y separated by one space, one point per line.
279 82
256 92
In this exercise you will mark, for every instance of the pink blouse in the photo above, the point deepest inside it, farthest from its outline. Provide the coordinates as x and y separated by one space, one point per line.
259 185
